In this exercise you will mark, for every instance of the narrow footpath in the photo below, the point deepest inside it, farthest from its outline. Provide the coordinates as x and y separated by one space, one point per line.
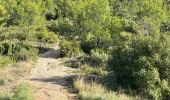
49 77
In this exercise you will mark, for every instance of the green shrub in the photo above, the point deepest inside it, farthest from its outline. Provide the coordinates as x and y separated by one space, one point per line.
52 25
64 26
6 47
117 25
2 81
88 43
22 36
93 41
97 57
25 54
166 94
47 37
18 51
4 61
165 90
11 33
69 48
5 96
23 92
141 63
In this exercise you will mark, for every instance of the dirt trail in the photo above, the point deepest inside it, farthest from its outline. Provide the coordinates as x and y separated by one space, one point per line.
49 77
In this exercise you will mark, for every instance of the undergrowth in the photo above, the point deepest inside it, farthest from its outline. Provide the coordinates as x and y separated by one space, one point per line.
94 91
22 92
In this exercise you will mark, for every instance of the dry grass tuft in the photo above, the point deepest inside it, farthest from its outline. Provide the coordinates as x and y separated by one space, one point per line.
94 91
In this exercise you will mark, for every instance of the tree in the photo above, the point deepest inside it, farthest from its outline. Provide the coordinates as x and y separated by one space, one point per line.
141 63
140 56
91 19
25 16
143 17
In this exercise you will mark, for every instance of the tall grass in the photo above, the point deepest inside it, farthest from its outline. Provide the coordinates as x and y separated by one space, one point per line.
5 96
87 69
4 61
94 91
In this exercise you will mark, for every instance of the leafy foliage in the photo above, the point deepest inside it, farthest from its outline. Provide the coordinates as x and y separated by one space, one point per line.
131 35
69 48
132 32
22 21
18 51
141 63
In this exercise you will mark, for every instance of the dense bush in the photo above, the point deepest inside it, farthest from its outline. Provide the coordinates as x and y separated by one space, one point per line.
97 58
128 30
24 54
64 26
20 34
91 41
49 37
18 51
69 48
25 20
88 43
141 63
12 33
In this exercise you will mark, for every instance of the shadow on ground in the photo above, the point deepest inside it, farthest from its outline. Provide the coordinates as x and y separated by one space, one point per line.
51 54
58 80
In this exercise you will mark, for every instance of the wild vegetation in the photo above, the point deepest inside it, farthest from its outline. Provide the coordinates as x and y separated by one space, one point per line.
122 44
22 92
